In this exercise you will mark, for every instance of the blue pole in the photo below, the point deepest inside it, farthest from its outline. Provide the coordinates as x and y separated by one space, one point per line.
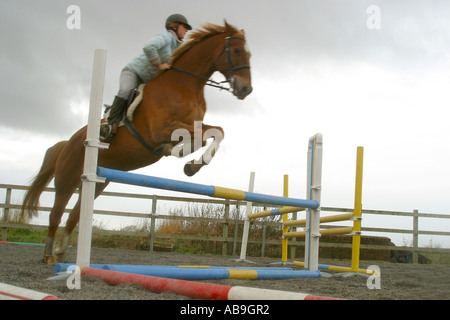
154 182
201 189
204 273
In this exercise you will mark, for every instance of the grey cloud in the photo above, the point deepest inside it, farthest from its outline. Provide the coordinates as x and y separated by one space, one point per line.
44 66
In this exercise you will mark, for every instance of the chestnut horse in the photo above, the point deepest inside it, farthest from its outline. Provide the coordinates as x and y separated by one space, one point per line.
172 100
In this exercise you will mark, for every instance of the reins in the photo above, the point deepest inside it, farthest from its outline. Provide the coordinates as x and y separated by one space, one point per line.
232 68
209 82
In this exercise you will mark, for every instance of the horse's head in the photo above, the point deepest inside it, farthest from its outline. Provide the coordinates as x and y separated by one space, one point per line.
226 47
233 61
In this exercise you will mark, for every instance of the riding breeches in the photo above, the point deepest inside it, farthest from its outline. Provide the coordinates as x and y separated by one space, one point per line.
128 81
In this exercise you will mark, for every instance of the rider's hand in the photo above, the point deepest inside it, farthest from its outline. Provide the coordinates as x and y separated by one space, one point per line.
164 66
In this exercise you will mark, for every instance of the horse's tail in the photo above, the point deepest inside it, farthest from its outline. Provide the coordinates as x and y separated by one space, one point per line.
42 179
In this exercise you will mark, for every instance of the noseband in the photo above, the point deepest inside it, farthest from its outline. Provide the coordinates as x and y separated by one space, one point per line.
231 68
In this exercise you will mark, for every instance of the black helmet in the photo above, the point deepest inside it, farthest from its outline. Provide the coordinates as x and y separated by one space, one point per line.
178 18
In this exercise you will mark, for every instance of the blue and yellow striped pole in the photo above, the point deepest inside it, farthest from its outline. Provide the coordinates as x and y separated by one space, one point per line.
203 272
275 212
200 189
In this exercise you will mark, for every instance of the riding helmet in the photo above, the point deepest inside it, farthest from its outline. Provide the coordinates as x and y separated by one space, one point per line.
178 18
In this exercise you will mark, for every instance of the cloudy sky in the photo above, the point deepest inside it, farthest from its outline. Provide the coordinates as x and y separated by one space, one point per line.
363 73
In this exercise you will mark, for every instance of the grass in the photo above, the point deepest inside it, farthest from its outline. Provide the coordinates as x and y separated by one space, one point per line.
27 235
437 258
208 229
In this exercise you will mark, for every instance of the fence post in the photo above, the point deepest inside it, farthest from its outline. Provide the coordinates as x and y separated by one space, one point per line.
225 229
263 243
153 222
415 236
6 213
293 240
236 227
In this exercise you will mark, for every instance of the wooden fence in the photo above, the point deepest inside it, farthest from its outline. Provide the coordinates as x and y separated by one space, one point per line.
154 215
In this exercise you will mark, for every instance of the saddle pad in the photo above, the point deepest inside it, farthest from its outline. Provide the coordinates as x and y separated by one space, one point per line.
136 102
133 106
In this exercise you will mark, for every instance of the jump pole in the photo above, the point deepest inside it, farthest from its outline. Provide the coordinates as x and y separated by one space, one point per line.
205 272
284 241
314 185
248 211
10 292
275 212
314 188
197 290
118 176
92 144
356 239
355 231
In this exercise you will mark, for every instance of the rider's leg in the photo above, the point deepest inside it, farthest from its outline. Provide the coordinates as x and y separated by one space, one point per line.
128 81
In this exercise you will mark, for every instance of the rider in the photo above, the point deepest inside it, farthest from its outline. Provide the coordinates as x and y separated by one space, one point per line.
154 58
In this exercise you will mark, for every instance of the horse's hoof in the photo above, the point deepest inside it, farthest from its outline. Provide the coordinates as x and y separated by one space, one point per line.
188 170
164 150
50 260
191 168
60 256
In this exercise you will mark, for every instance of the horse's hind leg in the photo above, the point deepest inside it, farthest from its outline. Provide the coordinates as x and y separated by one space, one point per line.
63 239
74 217
62 197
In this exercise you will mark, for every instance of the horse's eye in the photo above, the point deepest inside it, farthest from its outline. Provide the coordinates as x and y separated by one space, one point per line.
236 50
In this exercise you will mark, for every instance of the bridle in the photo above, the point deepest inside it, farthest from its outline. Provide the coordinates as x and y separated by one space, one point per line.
231 68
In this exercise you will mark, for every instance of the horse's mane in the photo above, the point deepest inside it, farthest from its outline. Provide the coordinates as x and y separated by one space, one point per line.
208 30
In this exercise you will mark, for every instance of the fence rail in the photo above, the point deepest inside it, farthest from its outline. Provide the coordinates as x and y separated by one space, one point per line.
226 221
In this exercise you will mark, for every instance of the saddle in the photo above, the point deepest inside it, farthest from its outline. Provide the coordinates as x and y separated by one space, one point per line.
134 101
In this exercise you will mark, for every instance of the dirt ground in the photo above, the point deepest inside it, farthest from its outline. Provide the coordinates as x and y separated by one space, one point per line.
21 265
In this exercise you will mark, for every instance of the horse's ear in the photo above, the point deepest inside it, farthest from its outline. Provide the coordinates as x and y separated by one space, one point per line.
228 27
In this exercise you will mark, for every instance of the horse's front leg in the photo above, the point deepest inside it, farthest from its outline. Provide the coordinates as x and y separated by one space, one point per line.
186 139
208 132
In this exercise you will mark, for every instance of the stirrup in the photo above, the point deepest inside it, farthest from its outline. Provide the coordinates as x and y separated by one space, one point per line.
107 136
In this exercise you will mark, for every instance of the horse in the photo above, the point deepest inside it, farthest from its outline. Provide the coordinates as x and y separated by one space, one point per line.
173 100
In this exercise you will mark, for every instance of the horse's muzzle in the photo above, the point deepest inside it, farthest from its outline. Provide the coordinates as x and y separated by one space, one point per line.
241 87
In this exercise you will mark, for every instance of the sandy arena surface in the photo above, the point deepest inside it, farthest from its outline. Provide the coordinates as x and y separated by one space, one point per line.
21 265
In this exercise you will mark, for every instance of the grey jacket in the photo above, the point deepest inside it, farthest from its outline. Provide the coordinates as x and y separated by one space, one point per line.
157 51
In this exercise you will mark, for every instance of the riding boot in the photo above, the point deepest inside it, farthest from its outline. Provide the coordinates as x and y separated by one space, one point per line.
109 128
